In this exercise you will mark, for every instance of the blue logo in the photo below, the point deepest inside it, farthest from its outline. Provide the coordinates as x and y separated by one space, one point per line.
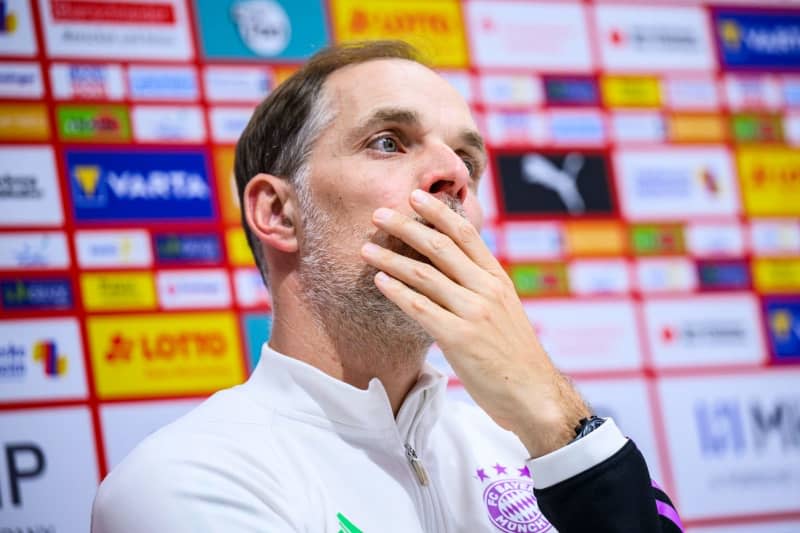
758 40
257 329
173 248
29 294
571 90
577 128
274 29
783 325
162 83
723 275
139 185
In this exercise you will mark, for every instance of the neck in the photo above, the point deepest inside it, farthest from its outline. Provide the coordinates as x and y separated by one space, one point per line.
331 342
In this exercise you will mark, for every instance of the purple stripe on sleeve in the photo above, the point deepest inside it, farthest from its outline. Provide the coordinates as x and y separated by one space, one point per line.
656 485
665 510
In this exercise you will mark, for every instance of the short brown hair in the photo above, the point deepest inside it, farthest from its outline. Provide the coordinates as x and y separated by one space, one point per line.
279 137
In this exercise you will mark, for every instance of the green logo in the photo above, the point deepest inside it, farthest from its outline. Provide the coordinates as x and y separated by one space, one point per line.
345 525
93 123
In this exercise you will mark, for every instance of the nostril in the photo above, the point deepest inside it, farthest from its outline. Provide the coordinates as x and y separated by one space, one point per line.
439 186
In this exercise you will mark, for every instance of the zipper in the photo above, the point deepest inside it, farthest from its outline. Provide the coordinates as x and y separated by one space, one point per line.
416 465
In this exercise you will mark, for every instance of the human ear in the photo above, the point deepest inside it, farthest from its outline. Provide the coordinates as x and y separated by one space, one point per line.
269 209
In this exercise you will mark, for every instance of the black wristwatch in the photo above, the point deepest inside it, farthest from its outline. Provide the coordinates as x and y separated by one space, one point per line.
587 425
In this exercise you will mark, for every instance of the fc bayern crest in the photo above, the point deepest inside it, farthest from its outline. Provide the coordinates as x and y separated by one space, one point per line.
510 501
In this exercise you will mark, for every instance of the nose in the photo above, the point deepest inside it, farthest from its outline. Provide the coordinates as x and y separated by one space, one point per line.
444 173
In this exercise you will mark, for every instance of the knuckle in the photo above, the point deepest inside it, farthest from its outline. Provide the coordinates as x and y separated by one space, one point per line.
478 311
423 271
466 231
438 242
419 303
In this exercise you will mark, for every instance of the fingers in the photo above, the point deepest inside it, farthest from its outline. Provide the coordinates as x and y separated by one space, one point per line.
435 245
459 229
422 277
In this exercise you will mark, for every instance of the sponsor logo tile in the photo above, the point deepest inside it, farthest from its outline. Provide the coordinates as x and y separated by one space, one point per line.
128 185
162 83
29 191
676 183
511 89
237 84
87 82
187 249
704 330
749 91
24 122
164 354
594 238
791 91
657 239
114 291
250 288
661 275
527 35
36 294
227 123
631 91
226 184
697 128
51 458
737 454
637 127
20 80
748 127
570 183
435 28
185 289
770 180
41 359
776 275
571 91
577 128
515 128
791 126
710 239
16 29
594 277
33 250
135 29
117 248
107 123
533 241
764 40
539 279
775 236
168 124
783 326
654 38
587 335
268 29
729 275
690 92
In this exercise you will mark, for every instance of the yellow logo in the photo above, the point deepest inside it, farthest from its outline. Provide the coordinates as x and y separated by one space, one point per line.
87 176
594 238
165 354
770 180
697 128
731 34
226 184
631 91
776 275
24 122
111 291
435 28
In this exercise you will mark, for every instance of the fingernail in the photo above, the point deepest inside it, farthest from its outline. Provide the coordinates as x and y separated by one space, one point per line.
382 214
419 196
381 277
370 249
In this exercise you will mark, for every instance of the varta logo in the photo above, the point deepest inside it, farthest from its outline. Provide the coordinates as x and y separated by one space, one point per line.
153 185
731 34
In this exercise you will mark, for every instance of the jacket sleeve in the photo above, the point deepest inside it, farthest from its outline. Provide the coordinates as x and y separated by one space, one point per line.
612 495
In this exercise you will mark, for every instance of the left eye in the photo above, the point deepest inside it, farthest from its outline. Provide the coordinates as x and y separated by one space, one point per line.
470 166
385 144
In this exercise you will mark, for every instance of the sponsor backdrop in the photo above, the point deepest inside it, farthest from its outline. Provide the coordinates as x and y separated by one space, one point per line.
643 192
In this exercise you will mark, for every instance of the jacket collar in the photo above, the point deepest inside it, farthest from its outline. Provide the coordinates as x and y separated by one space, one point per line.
298 389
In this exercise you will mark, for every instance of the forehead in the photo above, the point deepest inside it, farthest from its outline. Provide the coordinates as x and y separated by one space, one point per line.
357 90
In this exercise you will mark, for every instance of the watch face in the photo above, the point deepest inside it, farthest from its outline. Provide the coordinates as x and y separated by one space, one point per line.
587 425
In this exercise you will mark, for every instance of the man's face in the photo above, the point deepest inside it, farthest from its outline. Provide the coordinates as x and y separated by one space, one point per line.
397 127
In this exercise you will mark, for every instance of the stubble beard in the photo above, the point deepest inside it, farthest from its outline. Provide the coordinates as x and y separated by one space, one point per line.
343 296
